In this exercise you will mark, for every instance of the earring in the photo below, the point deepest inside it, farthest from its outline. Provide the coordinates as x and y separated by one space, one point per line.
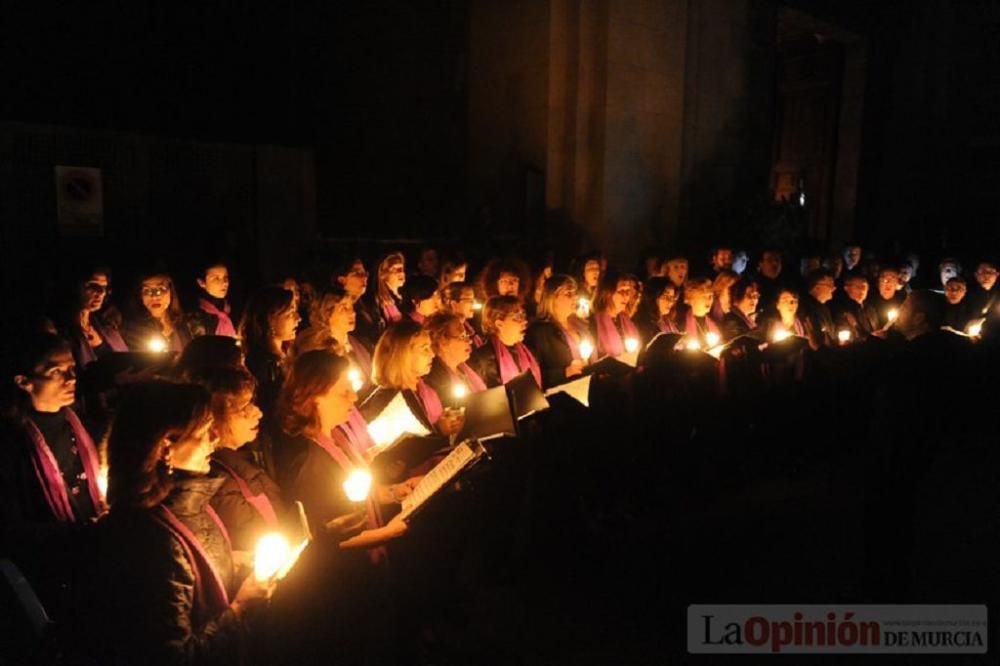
166 461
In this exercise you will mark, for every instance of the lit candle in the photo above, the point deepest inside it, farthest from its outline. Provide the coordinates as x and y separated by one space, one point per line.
586 349
631 345
459 390
102 480
272 554
476 305
156 344
358 484
781 334
975 329
356 380
583 307
693 345
844 336
712 338
893 314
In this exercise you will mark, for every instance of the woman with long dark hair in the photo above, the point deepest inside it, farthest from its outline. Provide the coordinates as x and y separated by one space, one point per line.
166 585
557 336
92 324
268 325
390 276
420 298
155 318
656 308
612 323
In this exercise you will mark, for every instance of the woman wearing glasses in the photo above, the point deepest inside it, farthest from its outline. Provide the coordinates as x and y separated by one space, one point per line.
615 300
504 356
558 335
156 320
459 298
452 347
92 323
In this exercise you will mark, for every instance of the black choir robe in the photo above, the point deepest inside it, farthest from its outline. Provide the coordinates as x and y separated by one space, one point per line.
859 319
548 343
818 322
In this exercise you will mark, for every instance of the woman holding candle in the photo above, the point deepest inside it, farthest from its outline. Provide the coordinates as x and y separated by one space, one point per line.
420 298
693 319
741 319
785 322
656 308
504 356
450 375
166 583
459 298
49 466
268 325
557 336
612 326
320 446
156 321
333 317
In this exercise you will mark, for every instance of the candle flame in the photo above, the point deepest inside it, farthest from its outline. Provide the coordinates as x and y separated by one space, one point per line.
975 329
781 334
102 480
712 338
354 375
844 335
631 345
893 315
272 554
156 344
586 349
693 345
476 305
459 391
357 485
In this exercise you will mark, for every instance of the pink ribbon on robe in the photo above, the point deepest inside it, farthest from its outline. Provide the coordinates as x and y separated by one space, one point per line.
391 313
666 325
261 502
225 325
209 590
362 356
50 476
430 400
691 327
609 341
508 368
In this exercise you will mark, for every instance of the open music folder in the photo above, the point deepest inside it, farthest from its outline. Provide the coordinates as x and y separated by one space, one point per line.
578 389
444 473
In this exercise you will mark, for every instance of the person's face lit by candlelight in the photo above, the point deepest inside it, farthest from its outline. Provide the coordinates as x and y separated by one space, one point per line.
511 327
283 324
191 451
456 274
888 283
334 406
395 276
463 306
624 294
857 290
591 273
788 305
421 355
428 306
677 271
666 300
355 281
565 303
700 299
770 264
342 318
955 291
455 346
986 275
751 297
95 290
215 282
241 422
155 293
947 270
52 384
823 290
290 284
508 284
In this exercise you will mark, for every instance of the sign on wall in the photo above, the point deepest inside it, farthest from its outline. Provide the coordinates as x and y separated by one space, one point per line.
79 201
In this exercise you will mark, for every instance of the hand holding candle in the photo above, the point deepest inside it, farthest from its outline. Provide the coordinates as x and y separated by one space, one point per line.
975 329
271 556
586 349
357 485
781 334
892 315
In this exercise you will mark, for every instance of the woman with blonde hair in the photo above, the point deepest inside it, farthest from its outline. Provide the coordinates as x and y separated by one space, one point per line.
332 319
557 336
452 347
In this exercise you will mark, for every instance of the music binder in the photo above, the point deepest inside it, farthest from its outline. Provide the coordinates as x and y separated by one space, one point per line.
444 473
487 415
391 421
578 389
609 365
525 396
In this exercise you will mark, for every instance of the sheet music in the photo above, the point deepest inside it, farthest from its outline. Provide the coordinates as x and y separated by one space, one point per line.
395 420
437 478
578 389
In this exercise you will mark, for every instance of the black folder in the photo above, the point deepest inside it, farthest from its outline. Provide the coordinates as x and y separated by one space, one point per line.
525 396
488 414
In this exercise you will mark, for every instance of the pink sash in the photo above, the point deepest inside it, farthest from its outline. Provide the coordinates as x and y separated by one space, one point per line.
362 356
50 477
470 330
508 368
691 327
112 338
472 378
209 590
259 502
357 429
574 347
225 325
609 341
417 317
666 325
430 400
391 313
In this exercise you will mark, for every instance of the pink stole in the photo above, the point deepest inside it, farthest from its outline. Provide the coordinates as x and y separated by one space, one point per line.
343 447
469 377
417 317
391 313
666 325
430 400
508 368
210 596
691 327
357 429
470 330
259 502
225 325
609 341
574 347
50 477
362 356
111 337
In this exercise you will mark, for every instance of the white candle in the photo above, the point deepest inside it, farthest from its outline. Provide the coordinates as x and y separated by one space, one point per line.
975 329
357 485
459 391
693 344
892 315
271 556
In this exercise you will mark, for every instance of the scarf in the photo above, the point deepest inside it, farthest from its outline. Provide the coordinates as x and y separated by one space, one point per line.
666 325
50 477
391 313
430 400
260 502
609 340
225 325
468 377
508 368
692 328
112 338
362 356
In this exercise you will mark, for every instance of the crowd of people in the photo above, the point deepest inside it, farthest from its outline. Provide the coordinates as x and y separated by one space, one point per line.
147 446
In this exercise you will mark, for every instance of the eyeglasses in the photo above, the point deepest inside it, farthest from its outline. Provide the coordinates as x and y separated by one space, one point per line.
65 374
358 273
463 337
155 291
97 288
517 316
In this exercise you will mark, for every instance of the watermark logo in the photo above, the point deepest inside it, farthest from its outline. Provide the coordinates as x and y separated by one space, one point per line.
819 629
